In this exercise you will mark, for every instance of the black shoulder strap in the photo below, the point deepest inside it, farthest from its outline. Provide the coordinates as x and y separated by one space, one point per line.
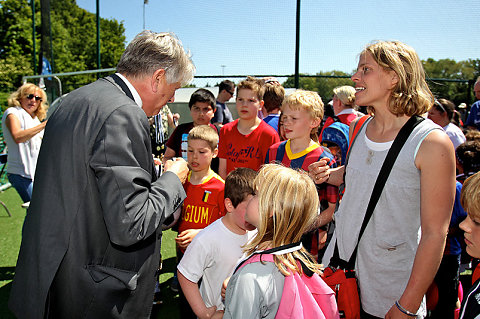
122 85
380 182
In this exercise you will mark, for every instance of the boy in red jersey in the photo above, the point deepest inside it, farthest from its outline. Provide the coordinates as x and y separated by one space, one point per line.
245 141
204 189
302 112
205 196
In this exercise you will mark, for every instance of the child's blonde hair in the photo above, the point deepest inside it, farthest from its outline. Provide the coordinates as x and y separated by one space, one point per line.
411 95
470 195
254 84
205 133
346 94
309 101
287 208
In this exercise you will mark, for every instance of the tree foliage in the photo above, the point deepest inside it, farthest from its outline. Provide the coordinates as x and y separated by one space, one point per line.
446 78
323 84
449 69
73 42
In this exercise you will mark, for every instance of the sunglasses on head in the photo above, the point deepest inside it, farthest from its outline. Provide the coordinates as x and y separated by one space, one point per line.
31 96
439 106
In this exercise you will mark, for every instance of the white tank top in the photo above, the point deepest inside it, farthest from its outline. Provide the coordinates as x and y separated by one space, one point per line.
387 249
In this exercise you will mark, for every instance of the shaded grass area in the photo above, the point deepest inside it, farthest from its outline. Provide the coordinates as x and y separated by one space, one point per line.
10 239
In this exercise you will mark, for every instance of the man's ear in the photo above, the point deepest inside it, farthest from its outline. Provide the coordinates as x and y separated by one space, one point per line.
157 77
228 205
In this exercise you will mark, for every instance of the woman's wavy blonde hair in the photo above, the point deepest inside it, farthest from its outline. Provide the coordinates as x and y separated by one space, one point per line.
411 95
23 91
288 208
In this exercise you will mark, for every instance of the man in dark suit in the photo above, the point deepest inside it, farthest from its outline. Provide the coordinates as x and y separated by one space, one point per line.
91 238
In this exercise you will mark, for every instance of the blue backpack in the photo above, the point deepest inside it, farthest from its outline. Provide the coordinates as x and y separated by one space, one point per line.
337 134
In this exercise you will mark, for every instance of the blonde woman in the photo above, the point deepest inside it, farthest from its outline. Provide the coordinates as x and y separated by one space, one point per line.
23 133
401 248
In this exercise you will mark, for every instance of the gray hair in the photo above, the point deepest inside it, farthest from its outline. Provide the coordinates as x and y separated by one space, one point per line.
150 51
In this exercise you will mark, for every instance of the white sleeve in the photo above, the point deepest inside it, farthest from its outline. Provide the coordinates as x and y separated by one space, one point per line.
196 258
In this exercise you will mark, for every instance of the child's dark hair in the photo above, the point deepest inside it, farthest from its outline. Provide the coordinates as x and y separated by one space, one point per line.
273 96
239 184
468 155
472 135
202 95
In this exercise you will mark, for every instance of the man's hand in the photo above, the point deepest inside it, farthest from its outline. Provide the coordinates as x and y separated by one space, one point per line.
178 166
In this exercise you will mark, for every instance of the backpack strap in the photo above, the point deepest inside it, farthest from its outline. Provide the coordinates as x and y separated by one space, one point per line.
382 177
356 128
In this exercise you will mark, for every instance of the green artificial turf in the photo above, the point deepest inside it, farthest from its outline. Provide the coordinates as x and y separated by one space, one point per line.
10 239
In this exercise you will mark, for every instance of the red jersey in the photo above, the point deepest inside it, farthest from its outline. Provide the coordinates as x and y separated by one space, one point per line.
204 203
245 150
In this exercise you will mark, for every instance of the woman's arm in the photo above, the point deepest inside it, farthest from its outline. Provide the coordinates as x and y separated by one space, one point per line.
436 162
19 135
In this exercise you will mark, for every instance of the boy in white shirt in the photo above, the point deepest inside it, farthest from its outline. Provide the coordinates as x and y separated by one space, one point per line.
214 252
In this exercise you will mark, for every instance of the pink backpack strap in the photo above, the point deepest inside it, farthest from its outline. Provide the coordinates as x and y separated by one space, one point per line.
302 296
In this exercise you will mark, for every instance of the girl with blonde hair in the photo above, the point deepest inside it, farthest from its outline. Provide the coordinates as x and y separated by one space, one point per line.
23 134
283 209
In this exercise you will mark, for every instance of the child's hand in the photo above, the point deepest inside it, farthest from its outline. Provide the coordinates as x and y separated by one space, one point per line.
218 314
224 287
185 237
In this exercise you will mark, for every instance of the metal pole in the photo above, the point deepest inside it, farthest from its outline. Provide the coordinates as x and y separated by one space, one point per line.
33 38
297 48
98 37
52 60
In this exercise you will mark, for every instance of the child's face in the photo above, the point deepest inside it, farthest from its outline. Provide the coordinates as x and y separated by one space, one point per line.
238 214
298 123
251 214
201 113
471 227
248 104
199 155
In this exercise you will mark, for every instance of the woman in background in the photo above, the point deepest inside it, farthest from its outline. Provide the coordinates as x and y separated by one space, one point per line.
23 133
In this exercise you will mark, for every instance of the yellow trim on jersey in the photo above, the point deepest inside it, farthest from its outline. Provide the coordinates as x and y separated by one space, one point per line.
211 174
292 156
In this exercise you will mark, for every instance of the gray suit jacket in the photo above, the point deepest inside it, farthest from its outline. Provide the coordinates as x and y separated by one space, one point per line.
91 238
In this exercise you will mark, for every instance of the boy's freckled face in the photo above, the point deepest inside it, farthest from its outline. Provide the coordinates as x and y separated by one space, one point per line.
297 123
471 227
201 113
199 155
248 104
239 214
252 216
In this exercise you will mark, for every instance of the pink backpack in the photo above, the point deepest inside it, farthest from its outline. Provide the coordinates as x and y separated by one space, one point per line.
302 296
